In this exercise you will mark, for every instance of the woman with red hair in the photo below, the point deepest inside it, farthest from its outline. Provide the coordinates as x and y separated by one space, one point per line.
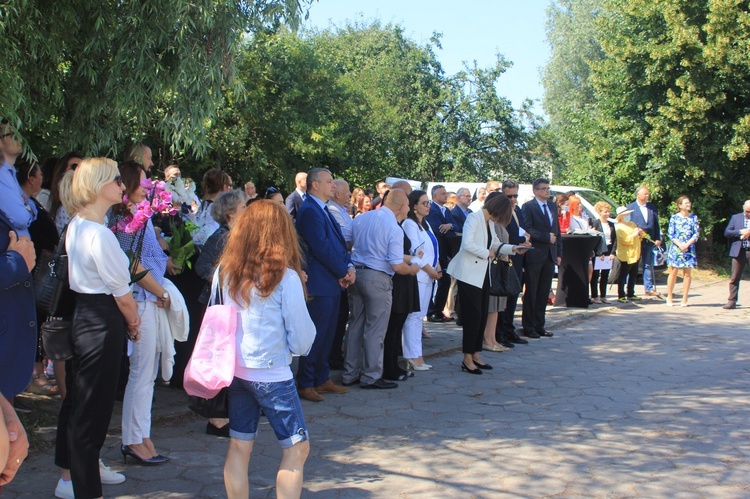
261 276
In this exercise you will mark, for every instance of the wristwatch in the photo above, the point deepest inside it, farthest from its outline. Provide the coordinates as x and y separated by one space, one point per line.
165 296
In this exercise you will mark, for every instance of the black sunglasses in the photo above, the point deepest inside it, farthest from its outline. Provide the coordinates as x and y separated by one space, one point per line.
118 179
510 196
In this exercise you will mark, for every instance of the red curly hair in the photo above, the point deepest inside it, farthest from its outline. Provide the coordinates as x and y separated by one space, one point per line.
261 246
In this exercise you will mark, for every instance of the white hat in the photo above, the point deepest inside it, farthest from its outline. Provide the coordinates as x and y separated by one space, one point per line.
621 210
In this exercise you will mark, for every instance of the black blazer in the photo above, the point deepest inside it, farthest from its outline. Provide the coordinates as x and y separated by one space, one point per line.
538 225
293 202
732 233
611 248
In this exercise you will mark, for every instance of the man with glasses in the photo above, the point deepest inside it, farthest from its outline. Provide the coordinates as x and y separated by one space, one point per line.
738 233
540 220
461 210
14 203
506 330
645 217
444 227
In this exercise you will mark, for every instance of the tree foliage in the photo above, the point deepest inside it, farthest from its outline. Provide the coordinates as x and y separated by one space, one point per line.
96 75
668 100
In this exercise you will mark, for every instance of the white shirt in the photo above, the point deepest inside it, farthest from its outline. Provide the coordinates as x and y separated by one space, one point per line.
607 231
96 263
644 211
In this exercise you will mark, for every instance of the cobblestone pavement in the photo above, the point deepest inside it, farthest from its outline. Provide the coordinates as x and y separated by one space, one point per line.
632 401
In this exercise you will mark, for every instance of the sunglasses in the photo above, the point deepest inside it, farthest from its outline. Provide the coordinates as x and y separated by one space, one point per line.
511 196
118 179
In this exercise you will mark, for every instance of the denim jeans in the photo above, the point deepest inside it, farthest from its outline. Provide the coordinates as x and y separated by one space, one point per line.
279 402
647 256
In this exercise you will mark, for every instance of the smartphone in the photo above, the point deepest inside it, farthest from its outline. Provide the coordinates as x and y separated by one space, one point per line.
416 250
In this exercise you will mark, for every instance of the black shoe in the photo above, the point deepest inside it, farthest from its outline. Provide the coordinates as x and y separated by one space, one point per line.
486 367
729 306
531 334
398 377
504 341
152 461
212 429
380 384
517 339
547 334
459 323
435 318
350 383
470 371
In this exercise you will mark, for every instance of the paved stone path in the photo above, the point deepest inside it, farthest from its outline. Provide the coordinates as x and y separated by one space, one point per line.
636 401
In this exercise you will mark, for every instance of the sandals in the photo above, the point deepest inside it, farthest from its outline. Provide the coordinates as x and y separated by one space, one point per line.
47 388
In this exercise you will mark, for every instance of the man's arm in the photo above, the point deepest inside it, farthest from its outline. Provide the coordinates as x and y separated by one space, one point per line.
18 442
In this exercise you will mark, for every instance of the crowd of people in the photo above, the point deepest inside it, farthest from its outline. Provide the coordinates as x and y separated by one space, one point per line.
342 278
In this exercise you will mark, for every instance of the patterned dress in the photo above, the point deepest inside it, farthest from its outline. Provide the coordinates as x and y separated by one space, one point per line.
682 229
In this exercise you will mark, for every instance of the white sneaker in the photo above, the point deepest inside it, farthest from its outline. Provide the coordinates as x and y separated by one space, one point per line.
64 490
108 476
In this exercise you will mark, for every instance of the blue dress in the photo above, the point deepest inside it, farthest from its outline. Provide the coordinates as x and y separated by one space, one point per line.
682 229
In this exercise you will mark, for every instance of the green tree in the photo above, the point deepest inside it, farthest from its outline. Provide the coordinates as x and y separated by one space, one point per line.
96 75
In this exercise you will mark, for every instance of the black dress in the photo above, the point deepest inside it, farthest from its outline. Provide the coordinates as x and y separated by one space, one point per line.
405 301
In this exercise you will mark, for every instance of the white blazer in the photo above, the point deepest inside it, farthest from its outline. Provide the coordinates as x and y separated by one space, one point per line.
472 261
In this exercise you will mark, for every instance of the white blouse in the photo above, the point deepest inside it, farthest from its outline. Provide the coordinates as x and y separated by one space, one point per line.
96 263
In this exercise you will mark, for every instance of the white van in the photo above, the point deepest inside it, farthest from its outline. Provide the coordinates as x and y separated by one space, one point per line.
589 197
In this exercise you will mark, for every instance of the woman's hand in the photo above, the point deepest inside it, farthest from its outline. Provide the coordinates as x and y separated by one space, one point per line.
492 254
172 269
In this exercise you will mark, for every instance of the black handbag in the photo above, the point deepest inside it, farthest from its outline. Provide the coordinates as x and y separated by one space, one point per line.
51 286
56 340
210 408
503 279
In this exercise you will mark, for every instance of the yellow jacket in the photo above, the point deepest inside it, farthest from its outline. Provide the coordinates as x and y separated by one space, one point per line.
628 242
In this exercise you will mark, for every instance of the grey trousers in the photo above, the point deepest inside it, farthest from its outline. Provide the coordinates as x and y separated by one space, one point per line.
370 299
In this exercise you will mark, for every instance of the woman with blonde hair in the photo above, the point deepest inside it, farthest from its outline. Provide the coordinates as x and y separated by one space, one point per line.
357 194
105 313
260 275
684 230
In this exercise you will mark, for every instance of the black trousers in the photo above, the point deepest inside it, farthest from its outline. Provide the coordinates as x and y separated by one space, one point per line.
505 320
738 265
437 304
392 345
599 280
629 273
98 334
475 304
337 349
537 276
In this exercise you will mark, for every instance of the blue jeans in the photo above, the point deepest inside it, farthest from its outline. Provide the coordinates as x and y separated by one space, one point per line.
647 256
279 402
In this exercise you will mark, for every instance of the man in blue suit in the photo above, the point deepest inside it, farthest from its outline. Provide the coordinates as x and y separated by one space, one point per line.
328 269
540 220
645 217
506 330
297 197
461 210
738 233
444 227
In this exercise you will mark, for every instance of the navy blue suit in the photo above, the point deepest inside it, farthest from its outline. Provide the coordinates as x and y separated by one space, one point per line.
18 328
293 203
740 255
506 317
458 217
647 247
436 219
539 263
327 261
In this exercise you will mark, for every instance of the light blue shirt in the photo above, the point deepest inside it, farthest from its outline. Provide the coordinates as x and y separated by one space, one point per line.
339 213
378 240
14 203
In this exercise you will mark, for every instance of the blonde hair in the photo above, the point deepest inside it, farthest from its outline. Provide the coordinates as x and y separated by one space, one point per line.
81 186
602 205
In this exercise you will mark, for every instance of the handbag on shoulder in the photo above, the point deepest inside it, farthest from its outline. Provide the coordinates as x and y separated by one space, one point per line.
503 279
51 286
211 367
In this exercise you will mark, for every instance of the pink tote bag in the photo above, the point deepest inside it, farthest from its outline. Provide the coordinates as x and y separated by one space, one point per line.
211 367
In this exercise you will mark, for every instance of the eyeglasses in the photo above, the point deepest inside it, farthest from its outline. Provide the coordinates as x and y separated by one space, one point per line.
118 179
511 196
425 203
542 188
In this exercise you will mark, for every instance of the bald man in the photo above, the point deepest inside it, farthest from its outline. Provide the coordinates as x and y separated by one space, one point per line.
378 253
738 234
294 200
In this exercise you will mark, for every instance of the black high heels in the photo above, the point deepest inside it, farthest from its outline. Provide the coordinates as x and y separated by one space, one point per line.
486 367
152 461
470 371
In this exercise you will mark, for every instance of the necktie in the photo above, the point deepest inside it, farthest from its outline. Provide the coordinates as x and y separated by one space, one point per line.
546 213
